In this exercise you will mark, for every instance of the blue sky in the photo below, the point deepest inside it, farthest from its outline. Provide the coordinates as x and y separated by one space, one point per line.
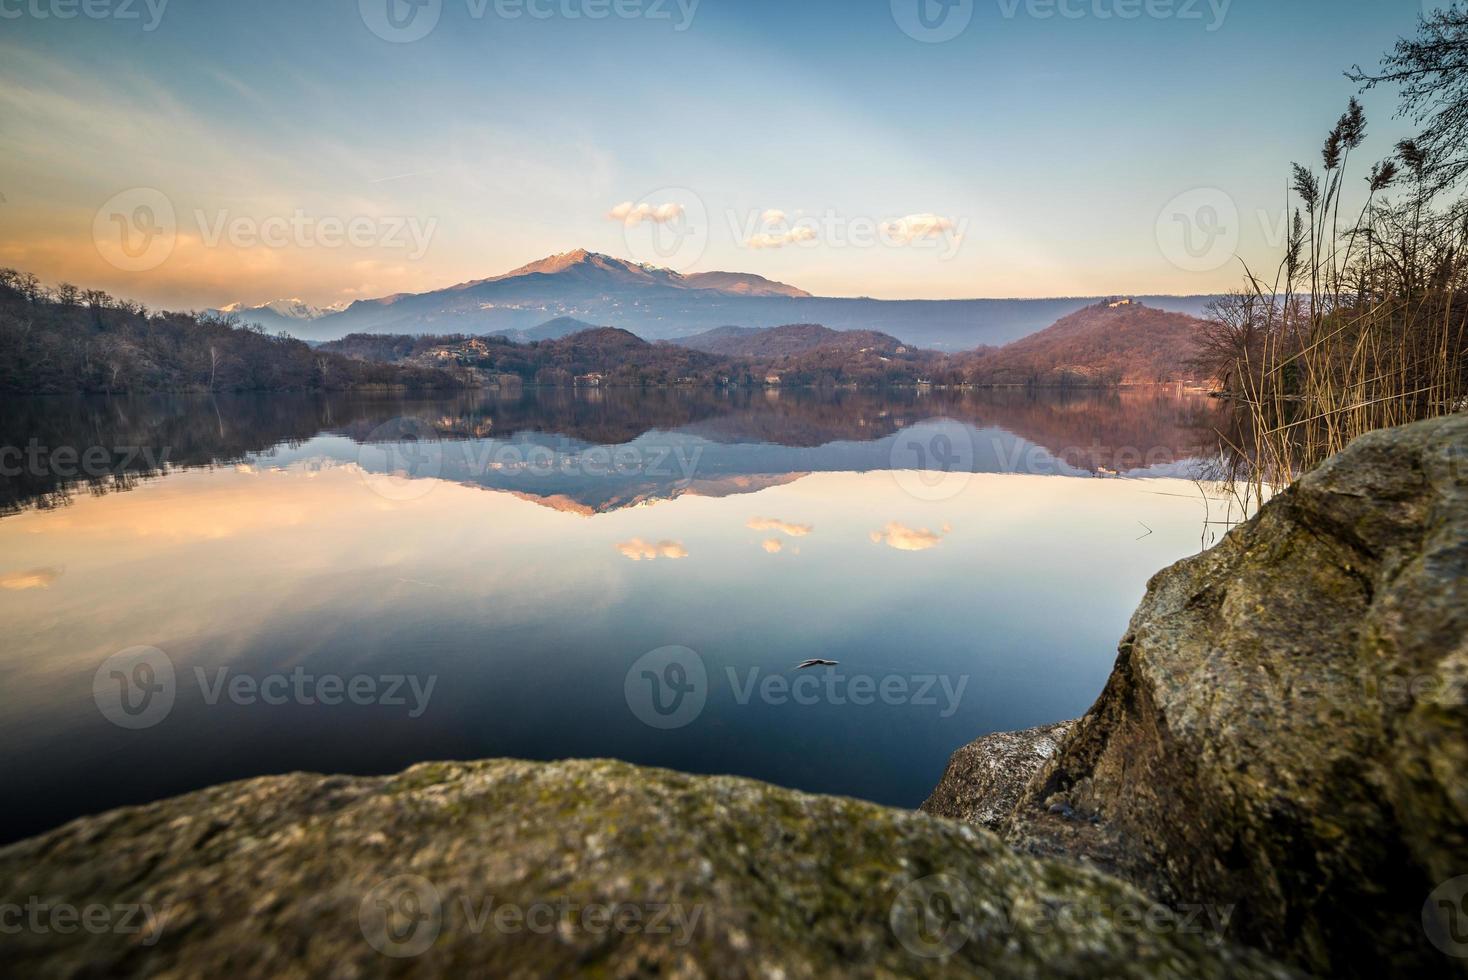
1038 152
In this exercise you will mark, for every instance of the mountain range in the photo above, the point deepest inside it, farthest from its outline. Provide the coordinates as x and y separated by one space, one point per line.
559 294
1111 343
280 313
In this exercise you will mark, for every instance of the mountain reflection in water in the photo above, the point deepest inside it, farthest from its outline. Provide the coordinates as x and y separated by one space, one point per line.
504 554
642 444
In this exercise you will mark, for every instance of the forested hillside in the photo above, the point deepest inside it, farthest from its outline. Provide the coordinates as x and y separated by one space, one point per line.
69 340
1111 343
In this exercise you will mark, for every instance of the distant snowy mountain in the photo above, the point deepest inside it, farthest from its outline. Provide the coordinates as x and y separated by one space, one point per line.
281 313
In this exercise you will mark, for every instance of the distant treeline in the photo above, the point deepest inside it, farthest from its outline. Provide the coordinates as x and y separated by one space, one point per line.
73 340
619 358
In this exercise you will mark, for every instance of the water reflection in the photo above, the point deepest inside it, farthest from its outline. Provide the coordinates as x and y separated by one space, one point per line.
633 445
521 579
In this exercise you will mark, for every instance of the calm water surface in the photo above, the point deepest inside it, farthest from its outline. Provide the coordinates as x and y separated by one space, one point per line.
197 590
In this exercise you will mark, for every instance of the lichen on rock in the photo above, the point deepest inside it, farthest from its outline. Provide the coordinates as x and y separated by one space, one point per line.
984 779
491 868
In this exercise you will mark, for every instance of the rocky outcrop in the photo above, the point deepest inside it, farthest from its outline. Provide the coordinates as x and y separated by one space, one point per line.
514 869
1285 729
985 778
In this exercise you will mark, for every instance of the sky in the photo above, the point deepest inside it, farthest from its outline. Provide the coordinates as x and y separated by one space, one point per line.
191 154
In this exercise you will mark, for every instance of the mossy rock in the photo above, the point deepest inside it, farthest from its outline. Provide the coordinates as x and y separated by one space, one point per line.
491 869
1286 727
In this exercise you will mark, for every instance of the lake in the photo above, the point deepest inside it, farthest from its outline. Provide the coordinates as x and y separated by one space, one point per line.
200 589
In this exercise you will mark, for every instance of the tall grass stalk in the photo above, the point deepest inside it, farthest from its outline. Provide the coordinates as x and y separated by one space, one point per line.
1359 329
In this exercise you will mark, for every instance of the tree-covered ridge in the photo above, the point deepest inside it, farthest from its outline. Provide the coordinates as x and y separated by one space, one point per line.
1116 342
70 340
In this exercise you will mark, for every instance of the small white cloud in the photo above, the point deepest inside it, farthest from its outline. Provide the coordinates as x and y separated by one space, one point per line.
774 216
773 546
796 235
918 226
633 215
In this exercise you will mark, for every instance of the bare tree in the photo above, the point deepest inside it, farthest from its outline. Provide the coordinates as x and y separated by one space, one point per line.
1431 70
30 287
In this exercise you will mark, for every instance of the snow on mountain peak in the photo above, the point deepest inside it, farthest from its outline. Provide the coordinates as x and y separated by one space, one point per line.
289 309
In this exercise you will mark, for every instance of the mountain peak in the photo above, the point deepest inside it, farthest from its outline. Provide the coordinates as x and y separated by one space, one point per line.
577 256
583 263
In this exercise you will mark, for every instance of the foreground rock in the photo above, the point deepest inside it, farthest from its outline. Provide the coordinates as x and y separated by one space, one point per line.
985 778
528 870
1285 729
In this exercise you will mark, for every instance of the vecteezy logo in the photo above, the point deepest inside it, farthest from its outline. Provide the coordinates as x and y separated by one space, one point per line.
400 21
135 688
933 917
402 459
668 227
1198 231
136 230
933 21
1445 917
402 916
667 688
934 460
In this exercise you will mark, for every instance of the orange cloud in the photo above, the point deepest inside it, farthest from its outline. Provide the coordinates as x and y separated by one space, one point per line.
35 578
640 550
904 538
773 524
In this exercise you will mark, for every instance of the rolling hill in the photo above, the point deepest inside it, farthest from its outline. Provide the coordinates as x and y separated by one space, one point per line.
787 341
1115 342
617 356
561 326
